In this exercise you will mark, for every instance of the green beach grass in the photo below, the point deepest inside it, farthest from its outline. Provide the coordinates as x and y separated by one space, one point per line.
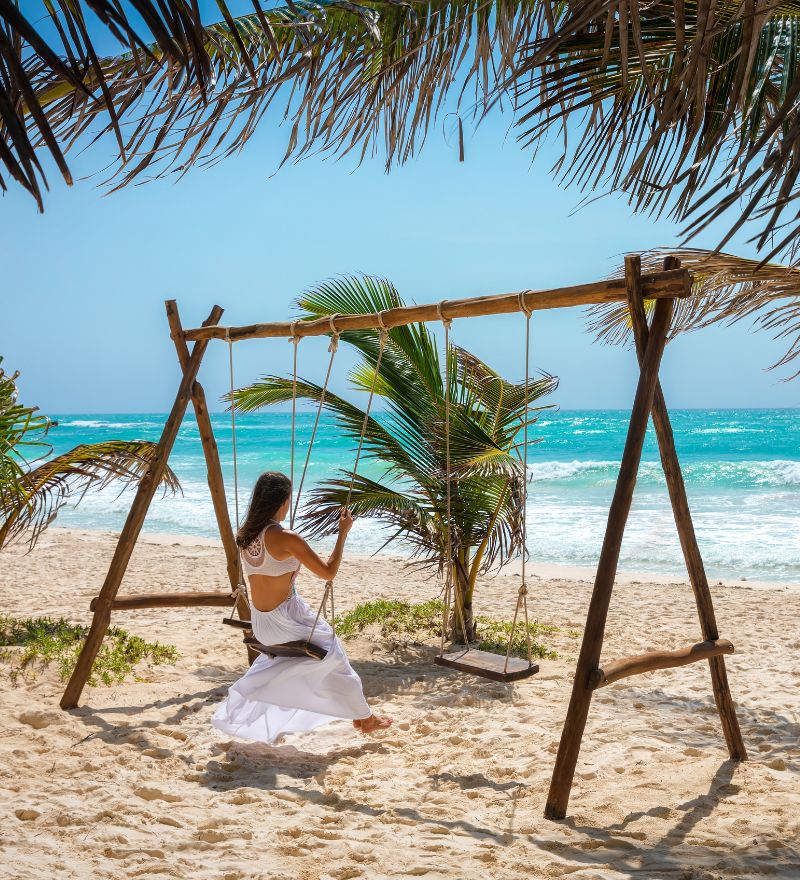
403 620
29 644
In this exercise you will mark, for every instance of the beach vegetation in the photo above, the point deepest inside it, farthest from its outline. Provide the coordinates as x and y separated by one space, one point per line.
395 620
408 441
29 644
35 484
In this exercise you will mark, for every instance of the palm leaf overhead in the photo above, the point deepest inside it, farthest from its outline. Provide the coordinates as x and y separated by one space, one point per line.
33 490
345 75
407 437
727 289
690 108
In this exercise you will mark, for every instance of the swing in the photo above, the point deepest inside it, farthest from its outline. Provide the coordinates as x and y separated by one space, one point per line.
472 661
300 648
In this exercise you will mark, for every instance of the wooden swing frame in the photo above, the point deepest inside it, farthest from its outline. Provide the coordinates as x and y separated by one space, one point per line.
664 288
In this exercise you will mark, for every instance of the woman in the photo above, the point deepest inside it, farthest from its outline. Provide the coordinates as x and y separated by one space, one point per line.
283 695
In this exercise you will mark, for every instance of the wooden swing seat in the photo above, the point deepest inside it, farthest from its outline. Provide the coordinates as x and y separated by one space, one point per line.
487 665
298 648
288 649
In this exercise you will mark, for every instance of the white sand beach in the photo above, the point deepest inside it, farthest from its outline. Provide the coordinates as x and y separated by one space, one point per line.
136 782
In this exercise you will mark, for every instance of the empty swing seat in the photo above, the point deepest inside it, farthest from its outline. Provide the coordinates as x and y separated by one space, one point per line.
487 665
289 649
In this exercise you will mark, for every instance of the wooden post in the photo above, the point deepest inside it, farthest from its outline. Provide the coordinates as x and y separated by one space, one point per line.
133 525
591 648
216 483
683 516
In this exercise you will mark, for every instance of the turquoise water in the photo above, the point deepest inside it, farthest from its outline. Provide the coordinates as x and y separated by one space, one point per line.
742 470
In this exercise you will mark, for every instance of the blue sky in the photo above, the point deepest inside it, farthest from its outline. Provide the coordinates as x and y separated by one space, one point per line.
84 284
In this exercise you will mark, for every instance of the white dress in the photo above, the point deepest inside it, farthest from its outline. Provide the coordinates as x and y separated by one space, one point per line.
280 695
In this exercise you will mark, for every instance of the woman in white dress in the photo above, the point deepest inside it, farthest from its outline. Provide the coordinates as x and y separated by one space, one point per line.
280 695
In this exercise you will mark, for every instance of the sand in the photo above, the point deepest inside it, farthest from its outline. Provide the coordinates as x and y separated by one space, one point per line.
136 782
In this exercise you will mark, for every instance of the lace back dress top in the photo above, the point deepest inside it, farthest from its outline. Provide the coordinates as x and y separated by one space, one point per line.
281 695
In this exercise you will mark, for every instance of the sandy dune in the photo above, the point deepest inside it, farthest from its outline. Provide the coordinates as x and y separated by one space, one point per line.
136 783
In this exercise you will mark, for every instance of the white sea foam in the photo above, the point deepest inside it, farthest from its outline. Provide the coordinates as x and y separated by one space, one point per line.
777 472
724 431
96 423
564 470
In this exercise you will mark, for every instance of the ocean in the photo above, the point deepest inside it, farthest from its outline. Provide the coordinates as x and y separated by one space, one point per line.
742 472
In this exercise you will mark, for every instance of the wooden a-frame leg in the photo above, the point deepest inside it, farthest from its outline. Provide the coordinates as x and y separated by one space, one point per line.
591 648
216 483
683 516
133 524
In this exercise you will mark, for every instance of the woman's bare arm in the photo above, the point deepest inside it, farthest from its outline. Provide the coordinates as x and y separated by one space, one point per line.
298 547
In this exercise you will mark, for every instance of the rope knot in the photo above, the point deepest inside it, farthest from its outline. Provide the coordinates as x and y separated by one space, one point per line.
335 334
294 338
523 305
523 591
448 322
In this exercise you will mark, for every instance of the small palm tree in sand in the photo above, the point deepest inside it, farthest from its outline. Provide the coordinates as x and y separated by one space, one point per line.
407 438
34 486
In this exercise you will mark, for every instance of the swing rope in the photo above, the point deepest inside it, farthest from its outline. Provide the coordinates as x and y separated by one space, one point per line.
381 346
451 586
332 348
522 595
295 340
328 593
241 586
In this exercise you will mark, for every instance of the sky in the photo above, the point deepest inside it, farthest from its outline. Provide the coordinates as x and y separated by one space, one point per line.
84 284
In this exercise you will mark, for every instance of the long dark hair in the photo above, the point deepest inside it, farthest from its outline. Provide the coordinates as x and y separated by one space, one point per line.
269 494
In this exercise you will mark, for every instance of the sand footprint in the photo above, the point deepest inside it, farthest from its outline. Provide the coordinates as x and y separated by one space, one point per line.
148 793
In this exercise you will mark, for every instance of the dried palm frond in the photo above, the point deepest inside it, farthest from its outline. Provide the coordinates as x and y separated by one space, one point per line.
726 289
690 108
346 76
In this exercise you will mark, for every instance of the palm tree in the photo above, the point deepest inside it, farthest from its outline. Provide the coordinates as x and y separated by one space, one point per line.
727 289
487 414
687 107
34 487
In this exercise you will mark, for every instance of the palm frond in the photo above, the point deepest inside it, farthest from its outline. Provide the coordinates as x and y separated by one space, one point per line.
34 486
692 113
272 390
726 289
31 503
346 76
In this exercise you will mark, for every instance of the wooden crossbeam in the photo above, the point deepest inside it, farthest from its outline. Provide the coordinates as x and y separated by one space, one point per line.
673 284
168 600
640 663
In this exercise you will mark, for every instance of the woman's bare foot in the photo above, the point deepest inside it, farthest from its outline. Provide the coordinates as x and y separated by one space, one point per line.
373 723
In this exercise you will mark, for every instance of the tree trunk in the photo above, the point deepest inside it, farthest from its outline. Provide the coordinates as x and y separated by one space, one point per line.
461 620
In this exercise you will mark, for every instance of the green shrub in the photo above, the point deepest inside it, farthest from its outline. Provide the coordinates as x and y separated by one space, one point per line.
398 619
45 640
